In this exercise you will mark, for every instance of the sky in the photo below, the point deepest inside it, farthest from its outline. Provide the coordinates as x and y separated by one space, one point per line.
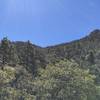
48 22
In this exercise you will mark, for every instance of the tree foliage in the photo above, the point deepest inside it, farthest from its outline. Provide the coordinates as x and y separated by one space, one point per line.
5 47
65 81
30 72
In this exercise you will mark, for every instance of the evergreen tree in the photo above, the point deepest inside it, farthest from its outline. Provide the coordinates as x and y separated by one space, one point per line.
5 49
29 58
28 53
90 57
13 55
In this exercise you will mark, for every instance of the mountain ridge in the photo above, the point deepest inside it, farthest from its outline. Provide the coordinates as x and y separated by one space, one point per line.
42 56
95 33
30 72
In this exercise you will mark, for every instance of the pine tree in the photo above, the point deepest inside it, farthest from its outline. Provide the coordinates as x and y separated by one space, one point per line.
13 55
29 58
28 53
5 49
90 57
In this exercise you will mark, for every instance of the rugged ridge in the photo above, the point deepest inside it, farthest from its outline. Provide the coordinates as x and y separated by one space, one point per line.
68 71
77 50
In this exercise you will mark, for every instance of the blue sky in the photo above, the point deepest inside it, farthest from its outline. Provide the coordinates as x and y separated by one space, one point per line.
48 22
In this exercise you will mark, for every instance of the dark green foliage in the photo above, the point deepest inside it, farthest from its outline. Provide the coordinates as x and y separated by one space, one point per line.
30 57
84 51
29 72
9 53
13 55
5 49
91 58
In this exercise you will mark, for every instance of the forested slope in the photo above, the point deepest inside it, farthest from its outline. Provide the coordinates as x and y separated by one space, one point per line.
68 71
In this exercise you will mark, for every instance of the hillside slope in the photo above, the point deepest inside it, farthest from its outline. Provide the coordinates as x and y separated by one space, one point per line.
34 56
68 71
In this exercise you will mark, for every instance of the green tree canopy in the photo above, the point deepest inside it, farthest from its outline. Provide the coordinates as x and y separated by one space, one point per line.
5 48
65 81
